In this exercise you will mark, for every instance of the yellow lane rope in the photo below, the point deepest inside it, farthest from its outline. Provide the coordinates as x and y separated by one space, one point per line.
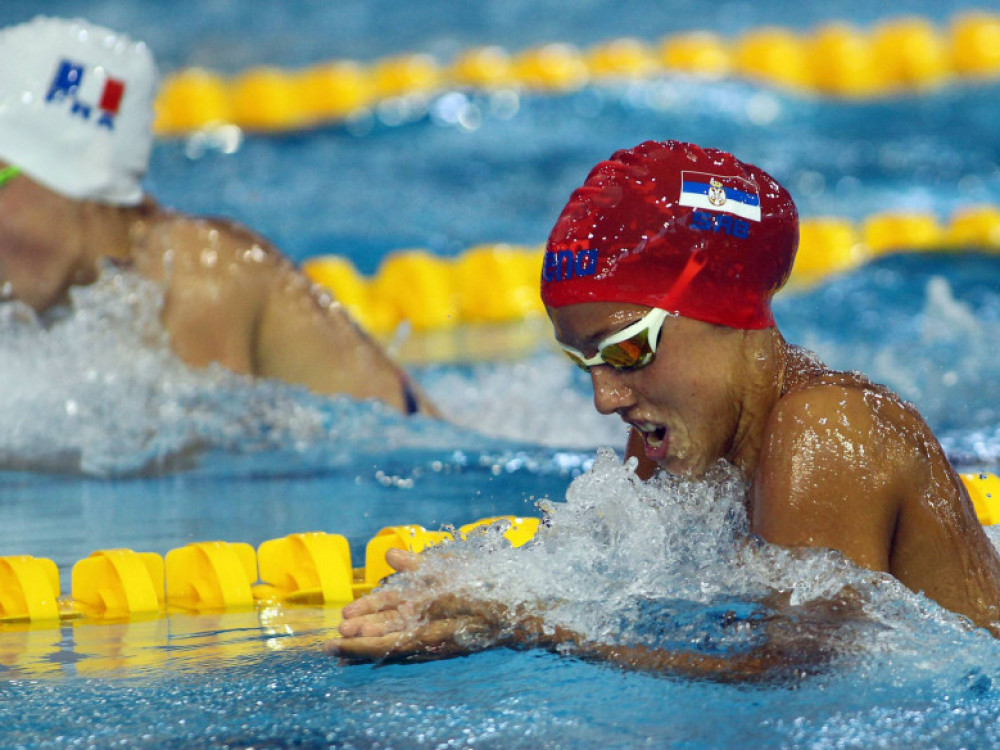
312 568
305 568
499 283
903 54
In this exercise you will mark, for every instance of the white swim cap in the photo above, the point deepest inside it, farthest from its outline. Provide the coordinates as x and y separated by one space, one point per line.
76 108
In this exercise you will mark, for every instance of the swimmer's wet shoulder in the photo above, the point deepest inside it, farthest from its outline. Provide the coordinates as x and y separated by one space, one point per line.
846 465
231 298
212 295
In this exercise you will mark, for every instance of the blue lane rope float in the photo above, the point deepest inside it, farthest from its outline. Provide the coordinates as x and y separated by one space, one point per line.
837 59
312 568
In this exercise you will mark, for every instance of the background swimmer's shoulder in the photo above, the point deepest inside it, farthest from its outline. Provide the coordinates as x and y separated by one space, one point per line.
183 243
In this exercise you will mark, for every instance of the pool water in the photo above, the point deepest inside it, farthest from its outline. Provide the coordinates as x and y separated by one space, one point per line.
109 441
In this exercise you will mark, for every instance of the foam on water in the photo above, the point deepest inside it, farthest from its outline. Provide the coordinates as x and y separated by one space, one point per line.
542 400
670 563
94 387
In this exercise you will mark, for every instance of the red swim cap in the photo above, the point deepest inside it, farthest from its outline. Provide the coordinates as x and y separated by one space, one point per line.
693 231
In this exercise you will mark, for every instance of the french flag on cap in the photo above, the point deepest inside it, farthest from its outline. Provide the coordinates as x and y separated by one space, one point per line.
734 195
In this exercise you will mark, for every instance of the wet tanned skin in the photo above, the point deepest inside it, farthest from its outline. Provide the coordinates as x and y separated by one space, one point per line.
230 298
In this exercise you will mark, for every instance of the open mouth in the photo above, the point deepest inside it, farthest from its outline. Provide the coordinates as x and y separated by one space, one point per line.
655 438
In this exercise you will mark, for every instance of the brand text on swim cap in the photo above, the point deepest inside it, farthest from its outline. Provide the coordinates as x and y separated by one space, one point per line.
562 265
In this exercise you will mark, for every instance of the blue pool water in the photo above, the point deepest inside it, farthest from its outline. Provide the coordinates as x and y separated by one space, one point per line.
108 441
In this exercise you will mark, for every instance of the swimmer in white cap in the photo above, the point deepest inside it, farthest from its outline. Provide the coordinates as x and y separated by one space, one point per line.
76 109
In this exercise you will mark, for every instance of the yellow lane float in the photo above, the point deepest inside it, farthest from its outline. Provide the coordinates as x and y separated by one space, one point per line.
312 568
835 59
490 284
305 568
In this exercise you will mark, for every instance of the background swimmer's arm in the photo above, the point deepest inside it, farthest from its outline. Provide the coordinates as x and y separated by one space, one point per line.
301 340
826 477
235 300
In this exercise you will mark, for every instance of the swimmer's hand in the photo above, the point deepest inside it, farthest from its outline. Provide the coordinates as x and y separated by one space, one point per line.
419 625
384 626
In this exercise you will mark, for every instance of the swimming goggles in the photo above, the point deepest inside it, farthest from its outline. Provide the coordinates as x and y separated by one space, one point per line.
631 348
8 173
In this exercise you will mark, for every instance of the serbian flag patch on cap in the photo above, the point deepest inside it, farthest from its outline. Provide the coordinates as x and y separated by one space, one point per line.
711 192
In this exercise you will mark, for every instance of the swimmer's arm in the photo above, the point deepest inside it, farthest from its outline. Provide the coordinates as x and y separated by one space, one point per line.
300 340
232 298
377 629
825 477
384 626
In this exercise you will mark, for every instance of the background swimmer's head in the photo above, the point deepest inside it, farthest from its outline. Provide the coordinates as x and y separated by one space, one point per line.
693 231
76 108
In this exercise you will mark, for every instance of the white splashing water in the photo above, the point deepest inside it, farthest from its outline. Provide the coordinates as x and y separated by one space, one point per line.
946 368
618 546
95 388
534 401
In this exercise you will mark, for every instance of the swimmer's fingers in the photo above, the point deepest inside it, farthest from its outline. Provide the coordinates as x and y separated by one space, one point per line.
376 624
402 560
384 612
361 649
435 640
378 601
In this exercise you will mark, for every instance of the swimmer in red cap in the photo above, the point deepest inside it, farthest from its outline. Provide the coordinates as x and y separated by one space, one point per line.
658 279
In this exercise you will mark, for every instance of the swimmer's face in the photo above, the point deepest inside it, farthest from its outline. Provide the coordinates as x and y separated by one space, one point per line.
36 232
685 403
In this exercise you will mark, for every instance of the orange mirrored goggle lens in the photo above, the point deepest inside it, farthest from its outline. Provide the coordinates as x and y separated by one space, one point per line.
630 354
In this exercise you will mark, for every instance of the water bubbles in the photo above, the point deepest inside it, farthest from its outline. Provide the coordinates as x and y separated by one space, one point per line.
456 109
391 480
394 111
504 103
223 139
810 183
209 258
763 108
542 400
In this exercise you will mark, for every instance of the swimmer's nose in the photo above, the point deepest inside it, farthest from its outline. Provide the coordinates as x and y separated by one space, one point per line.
611 392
